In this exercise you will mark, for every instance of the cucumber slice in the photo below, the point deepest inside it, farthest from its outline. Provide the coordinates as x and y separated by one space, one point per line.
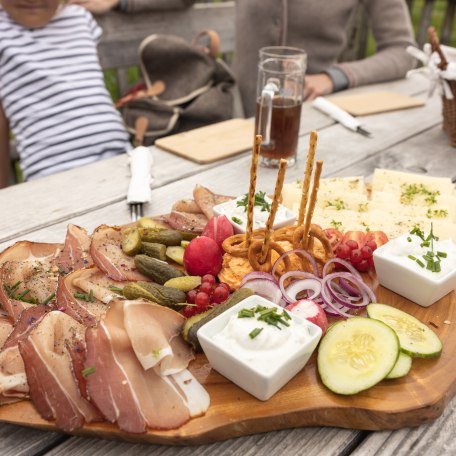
416 338
355 354
402 366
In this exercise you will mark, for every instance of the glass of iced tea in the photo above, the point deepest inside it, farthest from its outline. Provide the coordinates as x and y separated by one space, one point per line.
281 72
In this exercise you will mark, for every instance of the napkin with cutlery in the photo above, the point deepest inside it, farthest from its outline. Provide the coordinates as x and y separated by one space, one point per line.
141 161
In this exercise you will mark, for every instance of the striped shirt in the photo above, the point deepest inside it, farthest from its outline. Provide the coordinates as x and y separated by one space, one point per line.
53 93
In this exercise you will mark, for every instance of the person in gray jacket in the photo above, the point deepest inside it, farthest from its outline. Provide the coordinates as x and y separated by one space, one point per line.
320 28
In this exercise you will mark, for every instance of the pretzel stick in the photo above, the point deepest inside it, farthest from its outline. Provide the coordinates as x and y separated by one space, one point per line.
312 202
307 176
253 177
272 214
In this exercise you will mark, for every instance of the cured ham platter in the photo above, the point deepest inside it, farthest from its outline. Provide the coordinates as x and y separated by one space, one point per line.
417 398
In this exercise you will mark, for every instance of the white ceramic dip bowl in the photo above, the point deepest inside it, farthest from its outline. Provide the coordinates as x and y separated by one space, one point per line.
261 364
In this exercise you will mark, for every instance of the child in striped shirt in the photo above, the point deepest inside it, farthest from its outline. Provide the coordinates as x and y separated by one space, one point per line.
52 92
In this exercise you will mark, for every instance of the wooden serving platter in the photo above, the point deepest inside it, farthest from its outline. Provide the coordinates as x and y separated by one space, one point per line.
419 397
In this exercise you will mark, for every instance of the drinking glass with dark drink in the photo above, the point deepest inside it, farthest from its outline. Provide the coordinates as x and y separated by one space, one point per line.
281 72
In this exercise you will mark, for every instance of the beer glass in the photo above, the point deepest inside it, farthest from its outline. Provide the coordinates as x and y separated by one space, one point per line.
280 85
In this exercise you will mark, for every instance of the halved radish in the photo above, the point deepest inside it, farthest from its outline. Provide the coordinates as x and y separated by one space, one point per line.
311 311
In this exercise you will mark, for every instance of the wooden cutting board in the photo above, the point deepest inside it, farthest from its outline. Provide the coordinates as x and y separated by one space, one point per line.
375 102
418 397
211 143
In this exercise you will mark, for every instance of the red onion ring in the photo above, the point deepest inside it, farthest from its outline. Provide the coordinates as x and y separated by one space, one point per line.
265 288
298 252
344 263
351 290
298 286
256 275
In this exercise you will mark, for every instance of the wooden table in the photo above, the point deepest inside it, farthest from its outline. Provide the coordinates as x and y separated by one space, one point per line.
410 140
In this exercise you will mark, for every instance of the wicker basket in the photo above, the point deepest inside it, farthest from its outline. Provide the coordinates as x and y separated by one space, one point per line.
448 106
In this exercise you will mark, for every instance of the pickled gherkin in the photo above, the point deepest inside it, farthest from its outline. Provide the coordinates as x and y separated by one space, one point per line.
167 237
165 296
158 271
154 250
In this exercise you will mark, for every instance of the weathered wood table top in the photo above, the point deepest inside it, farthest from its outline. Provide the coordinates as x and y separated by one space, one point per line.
410 140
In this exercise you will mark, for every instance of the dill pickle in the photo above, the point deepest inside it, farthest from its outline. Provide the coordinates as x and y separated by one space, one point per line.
186 283
154 250
167 237
165 296
190 330
147 222
175 253
131 241
158 271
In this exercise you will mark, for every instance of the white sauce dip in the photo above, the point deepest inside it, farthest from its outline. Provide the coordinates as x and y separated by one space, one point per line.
269 348
232 210
399 249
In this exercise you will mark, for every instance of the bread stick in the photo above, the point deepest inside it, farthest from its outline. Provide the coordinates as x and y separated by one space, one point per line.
251 197
307 176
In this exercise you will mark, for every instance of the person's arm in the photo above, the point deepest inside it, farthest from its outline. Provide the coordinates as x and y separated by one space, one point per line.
4 150
131 6
393 32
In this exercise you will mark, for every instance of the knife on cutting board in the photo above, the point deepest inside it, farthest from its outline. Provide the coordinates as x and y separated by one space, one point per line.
339 115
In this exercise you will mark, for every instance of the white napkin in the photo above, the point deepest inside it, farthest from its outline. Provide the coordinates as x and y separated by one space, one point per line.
141 161
431 60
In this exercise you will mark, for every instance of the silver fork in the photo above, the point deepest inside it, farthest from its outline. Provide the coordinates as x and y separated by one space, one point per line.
136 211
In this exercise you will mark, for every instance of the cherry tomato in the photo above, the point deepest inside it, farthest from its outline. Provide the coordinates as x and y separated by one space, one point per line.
379 237
357 236
334 236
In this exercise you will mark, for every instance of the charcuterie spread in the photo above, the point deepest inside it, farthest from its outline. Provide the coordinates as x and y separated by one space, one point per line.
105 327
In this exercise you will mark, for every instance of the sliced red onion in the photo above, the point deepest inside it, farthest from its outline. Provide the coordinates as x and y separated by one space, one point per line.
256 275
298 252
344 263
298 286
367 295
265 288
297 274
348 287
332 308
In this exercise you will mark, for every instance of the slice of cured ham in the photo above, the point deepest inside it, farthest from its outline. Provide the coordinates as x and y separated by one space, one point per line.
28 275
206 200
154 332
75 253
13 381
186 221
92 287
126 393
108 256
49 368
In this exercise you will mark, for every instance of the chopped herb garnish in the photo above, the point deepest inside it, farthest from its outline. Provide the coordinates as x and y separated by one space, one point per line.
156 353
410 191
82 296
437 213
255 333
236 220
336 224
116 289
87 371
338 204
260 200
269 315
91 299
51 296
432 259
246 313
10 290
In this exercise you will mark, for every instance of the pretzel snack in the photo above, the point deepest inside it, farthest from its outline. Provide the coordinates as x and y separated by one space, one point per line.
253 178
307 176
313 200
275 205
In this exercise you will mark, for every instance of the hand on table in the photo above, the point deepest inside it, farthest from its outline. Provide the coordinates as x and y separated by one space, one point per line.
317 85
96 6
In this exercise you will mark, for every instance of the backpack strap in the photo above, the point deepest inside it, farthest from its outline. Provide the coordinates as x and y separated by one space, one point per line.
213 38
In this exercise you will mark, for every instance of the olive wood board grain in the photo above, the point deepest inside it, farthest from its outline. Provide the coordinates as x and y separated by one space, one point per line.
417 398
212 142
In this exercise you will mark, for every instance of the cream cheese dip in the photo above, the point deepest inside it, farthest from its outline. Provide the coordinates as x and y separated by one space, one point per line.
237 215
266 349
407 249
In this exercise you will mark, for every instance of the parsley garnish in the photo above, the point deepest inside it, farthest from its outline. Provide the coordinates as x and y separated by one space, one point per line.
260 200
410 191
336 224
338 204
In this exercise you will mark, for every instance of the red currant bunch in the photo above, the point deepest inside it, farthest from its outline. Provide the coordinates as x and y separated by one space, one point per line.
207 295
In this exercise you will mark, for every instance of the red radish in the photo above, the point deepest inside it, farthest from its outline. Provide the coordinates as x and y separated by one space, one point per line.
202 256
311 311
218 228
